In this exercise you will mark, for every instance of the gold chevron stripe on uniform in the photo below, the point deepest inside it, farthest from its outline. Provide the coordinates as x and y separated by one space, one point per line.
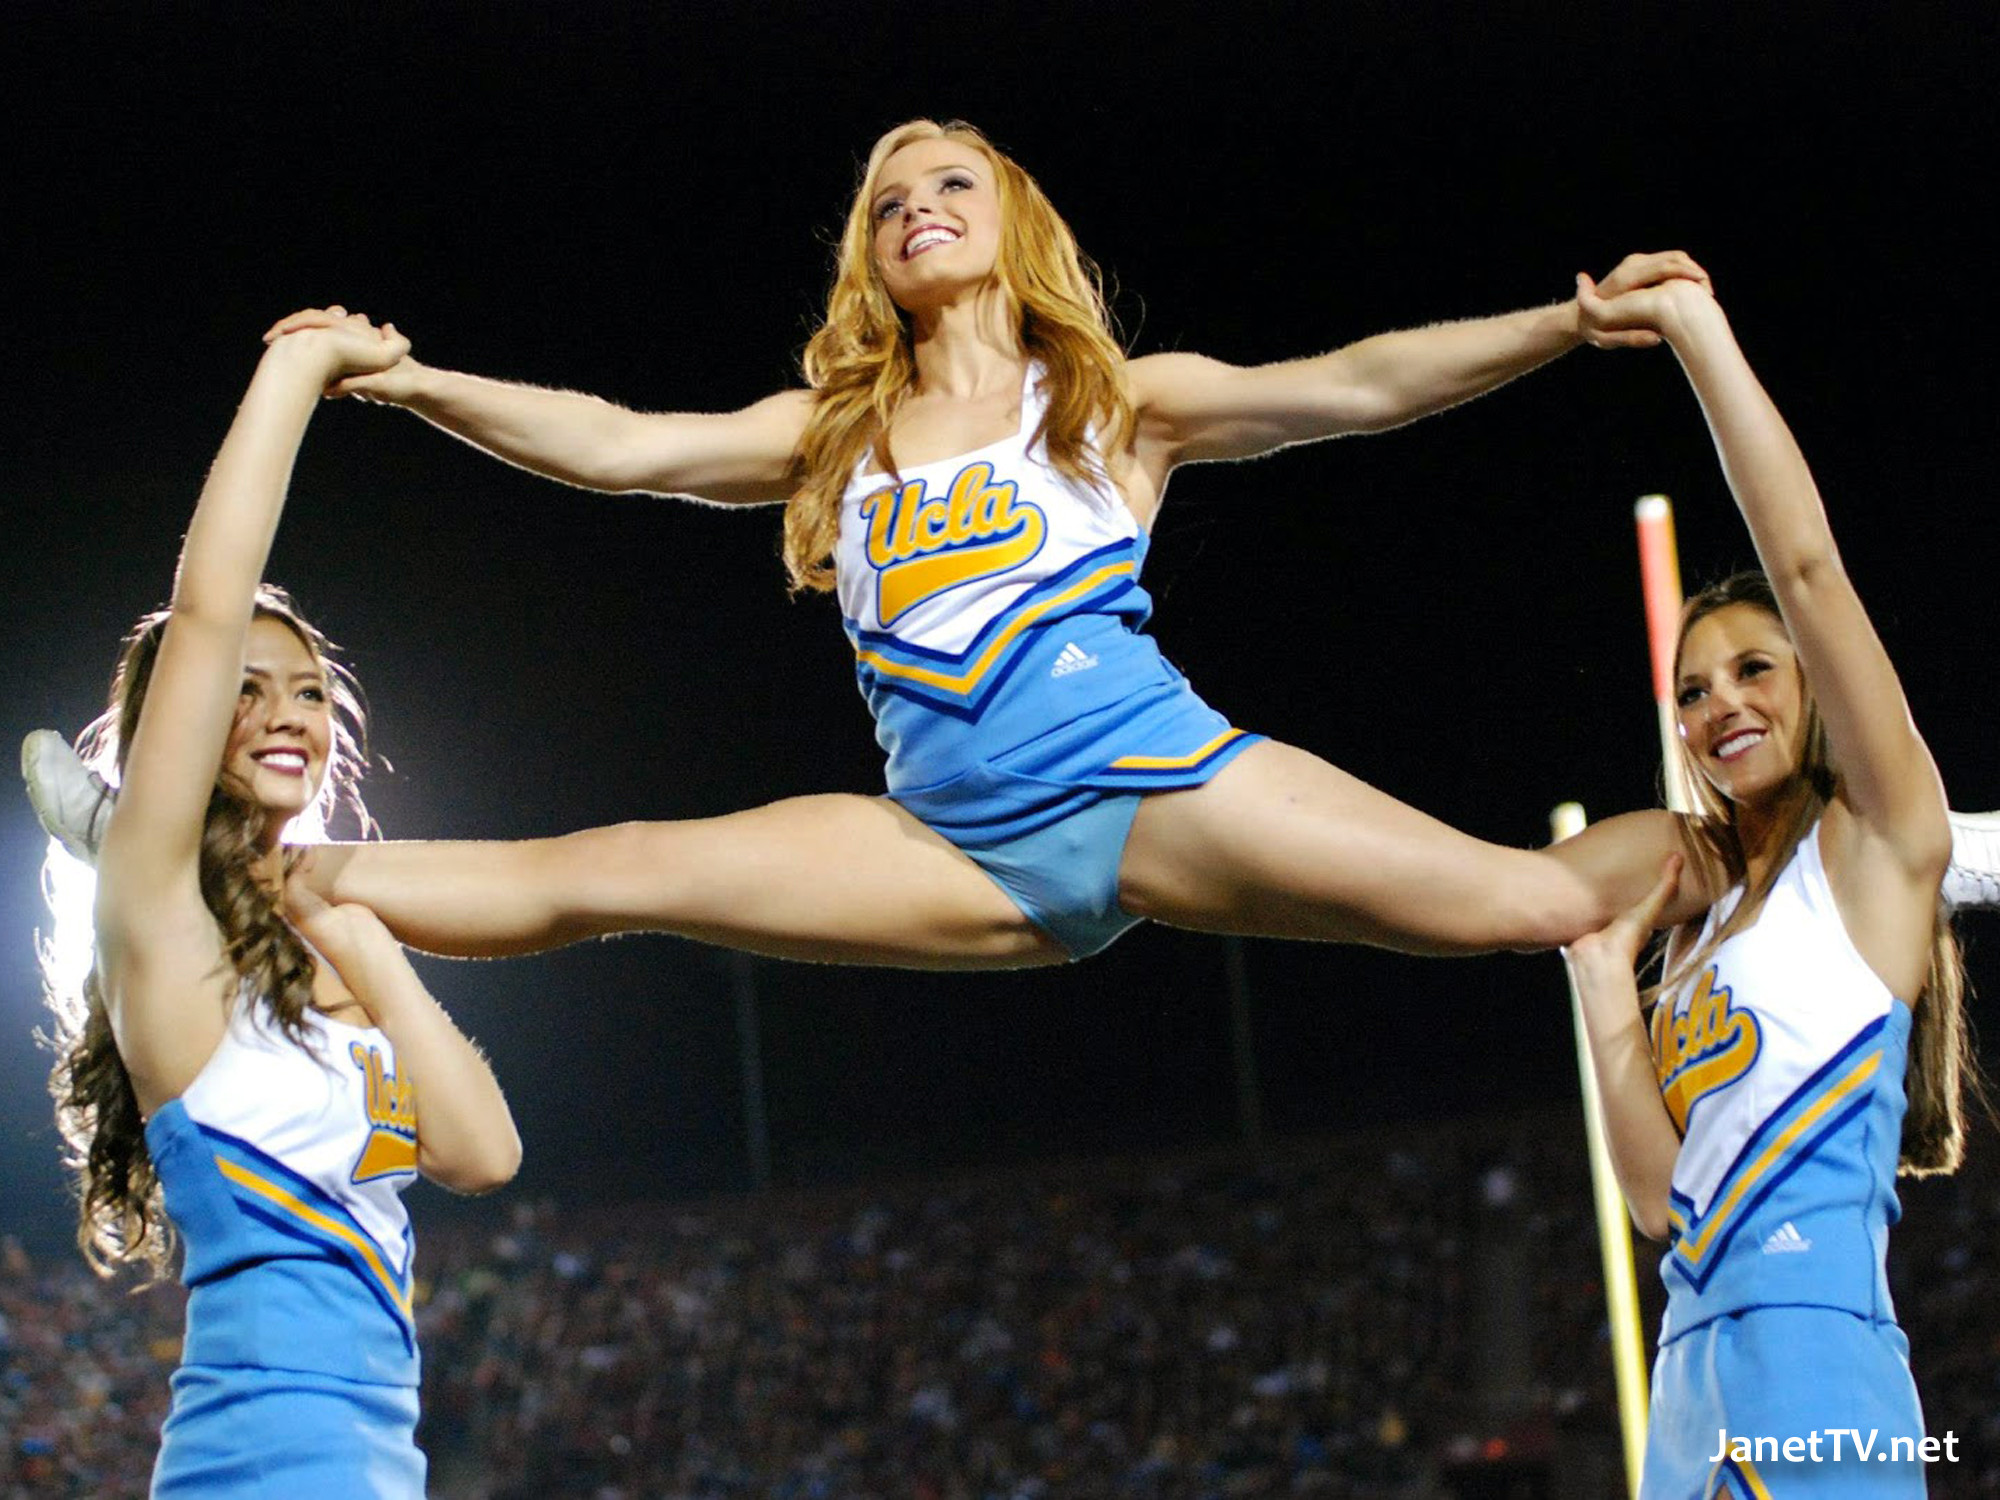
963 682
288 1201
1864 1070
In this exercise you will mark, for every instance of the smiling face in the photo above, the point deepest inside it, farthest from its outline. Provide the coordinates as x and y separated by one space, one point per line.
1741 702
279 743
935 205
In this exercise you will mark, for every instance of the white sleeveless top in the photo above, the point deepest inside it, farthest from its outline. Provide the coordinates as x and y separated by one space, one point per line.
989 598
283 1167
1781 1064
338 1116
936 556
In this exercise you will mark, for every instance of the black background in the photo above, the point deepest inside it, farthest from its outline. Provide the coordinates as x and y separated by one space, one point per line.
637 201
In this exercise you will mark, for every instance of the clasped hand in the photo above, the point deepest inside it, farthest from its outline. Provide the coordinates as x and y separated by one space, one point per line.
1627 310
364 360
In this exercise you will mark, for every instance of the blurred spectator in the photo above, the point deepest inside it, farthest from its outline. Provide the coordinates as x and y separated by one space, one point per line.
1292 1324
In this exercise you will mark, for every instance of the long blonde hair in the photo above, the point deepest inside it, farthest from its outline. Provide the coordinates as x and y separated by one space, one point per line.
121 1218
1943 1066
860 363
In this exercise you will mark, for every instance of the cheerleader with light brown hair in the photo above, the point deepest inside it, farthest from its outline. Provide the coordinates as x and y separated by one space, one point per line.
240 1073
1807 1041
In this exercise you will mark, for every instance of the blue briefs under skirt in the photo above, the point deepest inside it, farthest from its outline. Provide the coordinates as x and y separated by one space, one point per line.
1048 820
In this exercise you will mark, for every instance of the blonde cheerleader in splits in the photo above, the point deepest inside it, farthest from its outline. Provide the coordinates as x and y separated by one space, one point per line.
974 471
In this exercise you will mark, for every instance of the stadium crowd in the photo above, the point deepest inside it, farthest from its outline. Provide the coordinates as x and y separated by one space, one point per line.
1331 1318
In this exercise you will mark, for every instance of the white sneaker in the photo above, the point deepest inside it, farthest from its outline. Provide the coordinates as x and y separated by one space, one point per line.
72 801
1974 877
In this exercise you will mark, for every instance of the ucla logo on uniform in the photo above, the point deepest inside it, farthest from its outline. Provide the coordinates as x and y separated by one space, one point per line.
921 545
1706 1047
391 1106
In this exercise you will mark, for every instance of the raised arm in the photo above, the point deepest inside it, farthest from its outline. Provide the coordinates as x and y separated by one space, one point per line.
157 942
466 1139
1638 1130
1886 777
733 458
1192 408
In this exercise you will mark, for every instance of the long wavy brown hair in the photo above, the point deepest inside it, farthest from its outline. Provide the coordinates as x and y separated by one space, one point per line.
861 364
121 1219
1943 1068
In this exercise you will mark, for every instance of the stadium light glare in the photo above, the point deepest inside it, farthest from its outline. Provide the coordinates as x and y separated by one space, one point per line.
70 888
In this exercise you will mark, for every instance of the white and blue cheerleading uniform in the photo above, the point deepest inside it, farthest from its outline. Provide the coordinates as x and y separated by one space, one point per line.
995 610
282 1169
1782 1065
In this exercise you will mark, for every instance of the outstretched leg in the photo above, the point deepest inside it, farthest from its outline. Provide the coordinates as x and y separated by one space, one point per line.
841 879
1281 844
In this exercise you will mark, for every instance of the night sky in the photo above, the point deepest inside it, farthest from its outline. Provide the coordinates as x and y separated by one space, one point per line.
637 200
